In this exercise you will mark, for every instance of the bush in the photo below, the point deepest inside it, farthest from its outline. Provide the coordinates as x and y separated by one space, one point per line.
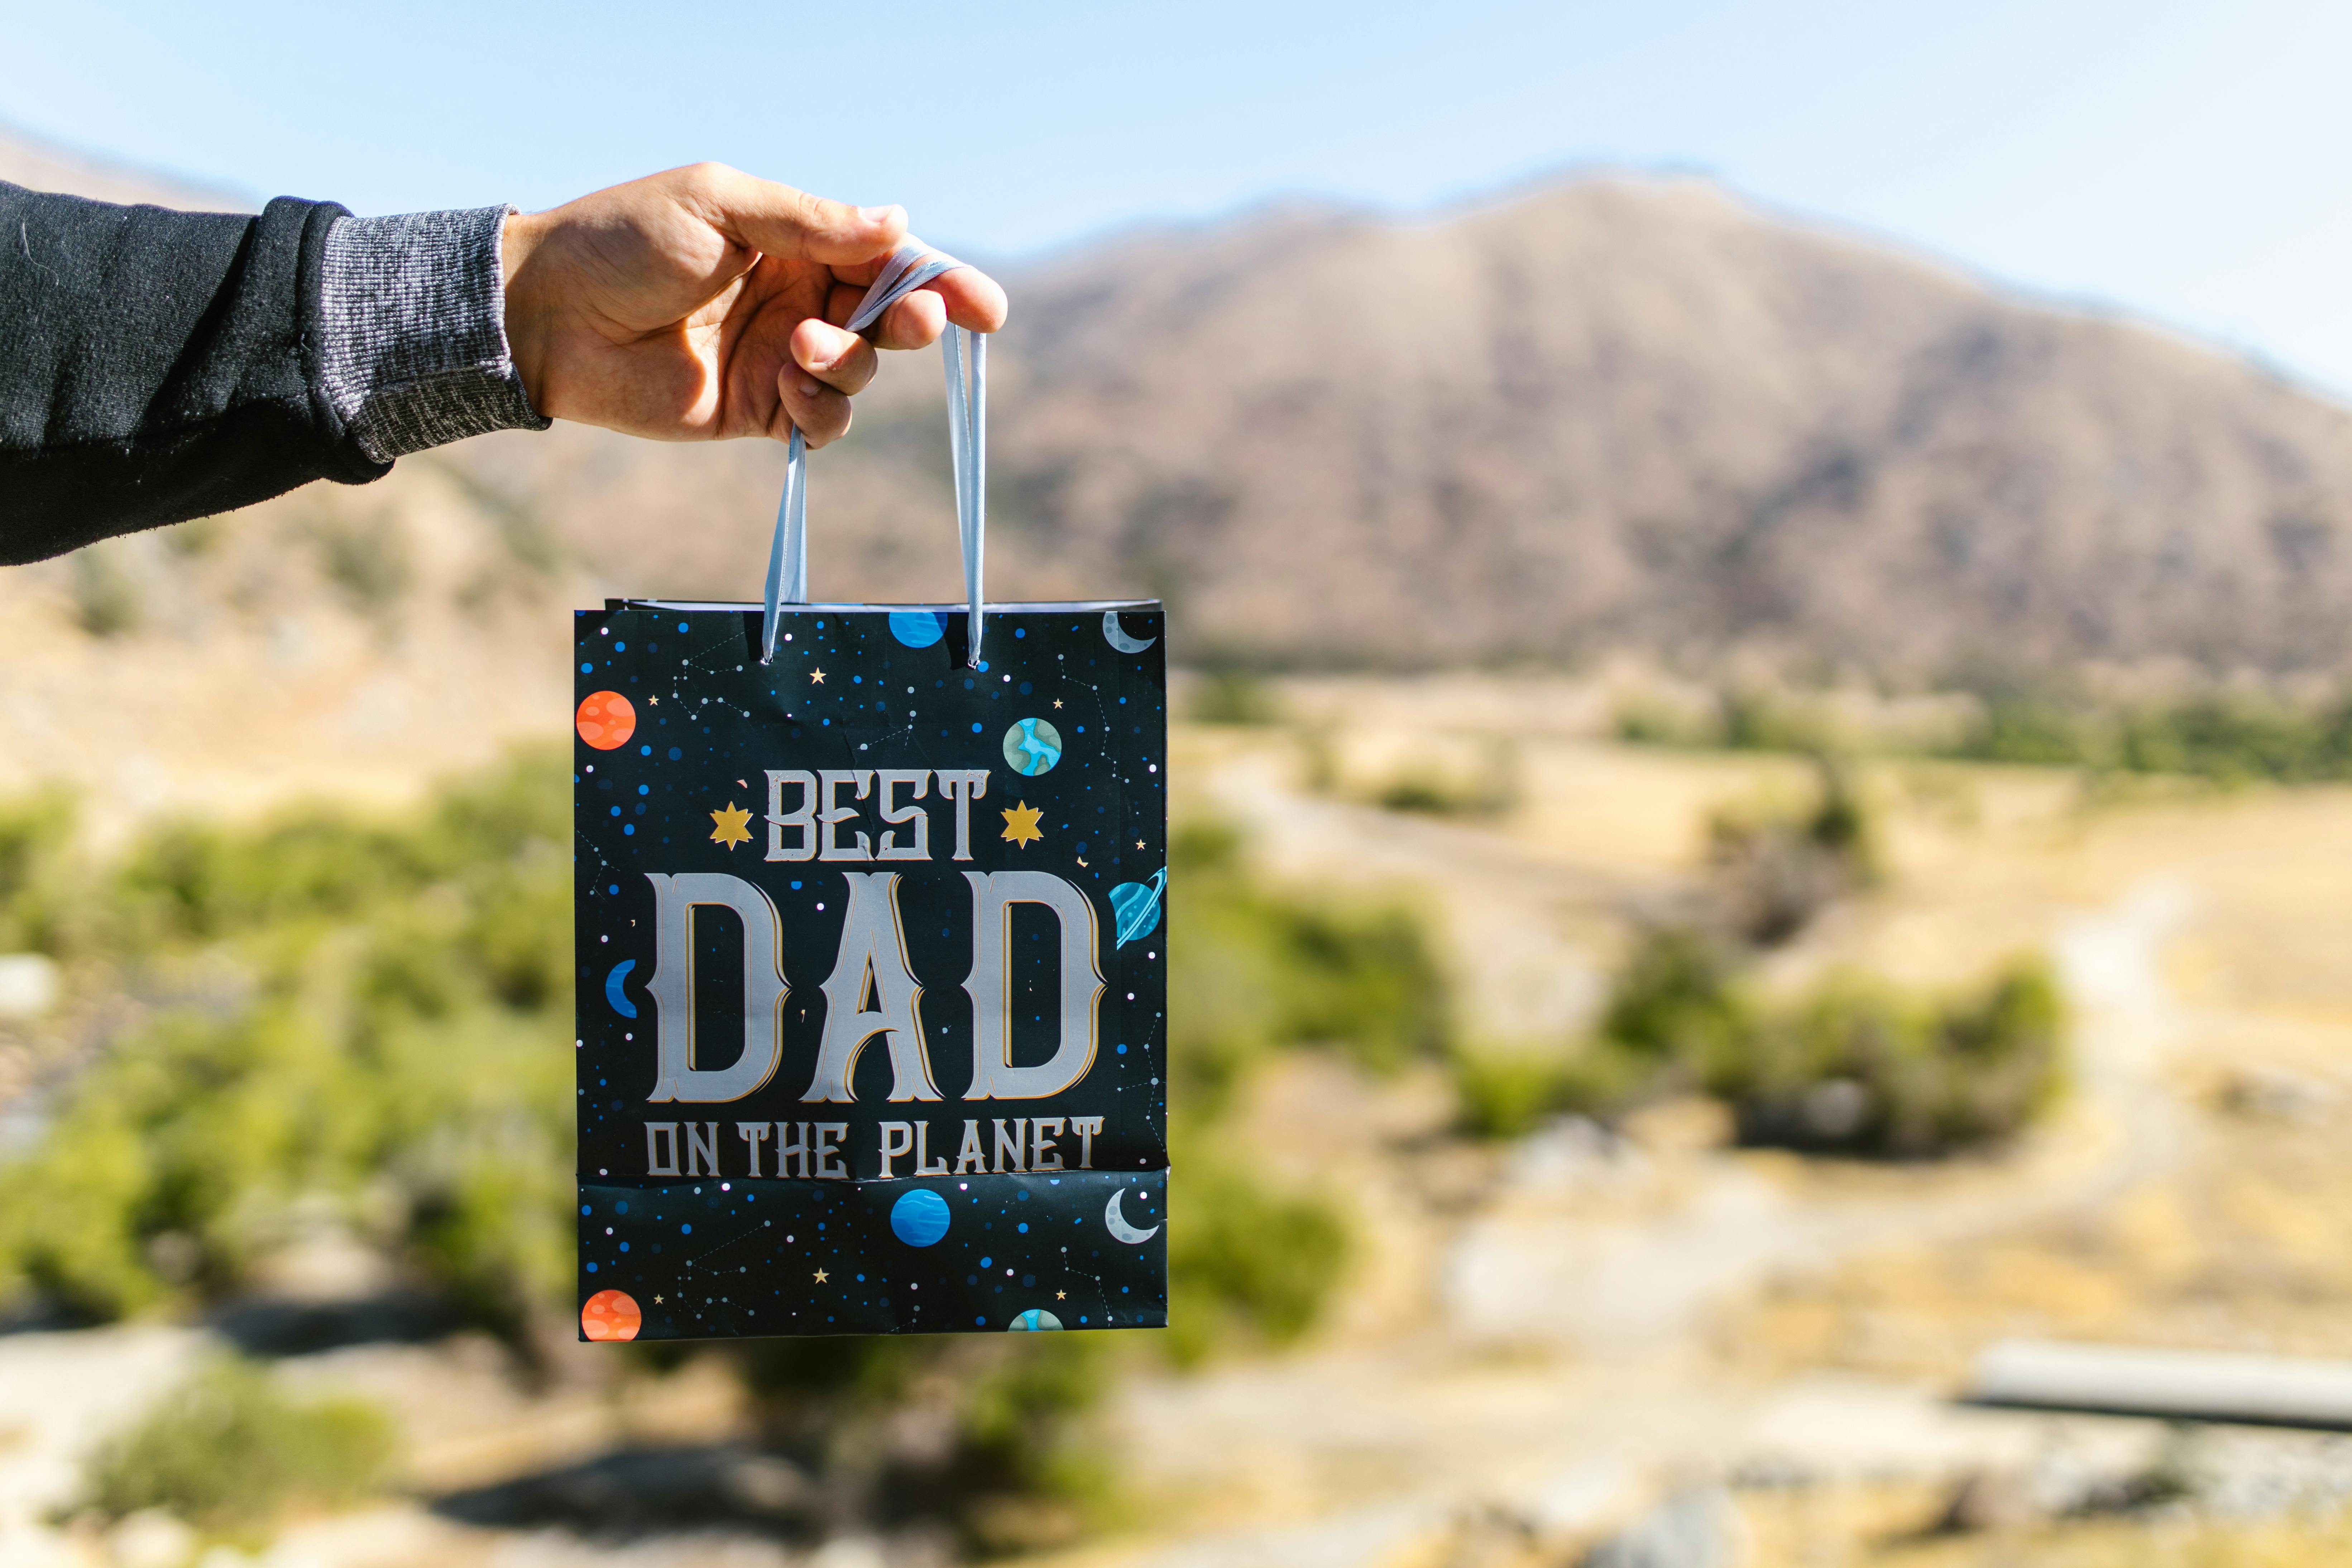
228 1451
1773 871
992 1435
1850 1067
2229 736
37 875
1251 971
1234 696
1247 1260
402 1027
1861 1069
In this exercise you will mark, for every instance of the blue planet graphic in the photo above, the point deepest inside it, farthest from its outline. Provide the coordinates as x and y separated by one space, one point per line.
1135 906
1033 747
1032 1321
920 1217
612 992
916 628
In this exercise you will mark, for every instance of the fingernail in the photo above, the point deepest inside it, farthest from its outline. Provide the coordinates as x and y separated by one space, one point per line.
810 387
881 214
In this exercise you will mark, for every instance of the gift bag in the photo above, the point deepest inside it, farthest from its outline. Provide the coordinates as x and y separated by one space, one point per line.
872 952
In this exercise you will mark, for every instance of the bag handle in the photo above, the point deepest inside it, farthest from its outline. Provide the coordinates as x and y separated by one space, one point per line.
911 266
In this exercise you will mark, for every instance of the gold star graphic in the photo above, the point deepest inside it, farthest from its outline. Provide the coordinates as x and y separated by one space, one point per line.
818 679
1058 702
1059 1295
1139 844
1021 824
820 1276
734 826
655 700
657 1301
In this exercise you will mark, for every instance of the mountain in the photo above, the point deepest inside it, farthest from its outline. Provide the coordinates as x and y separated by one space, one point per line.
1616 413
1639 413
41 165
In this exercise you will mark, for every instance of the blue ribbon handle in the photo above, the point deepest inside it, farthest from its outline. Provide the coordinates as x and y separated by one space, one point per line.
910 267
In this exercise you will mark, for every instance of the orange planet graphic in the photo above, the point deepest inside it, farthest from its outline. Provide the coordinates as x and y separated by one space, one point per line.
611 1314
606 719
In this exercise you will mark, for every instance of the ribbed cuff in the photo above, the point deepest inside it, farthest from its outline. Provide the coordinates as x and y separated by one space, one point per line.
416 343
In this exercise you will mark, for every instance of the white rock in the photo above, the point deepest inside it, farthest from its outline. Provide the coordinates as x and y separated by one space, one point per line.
150 1539
28 985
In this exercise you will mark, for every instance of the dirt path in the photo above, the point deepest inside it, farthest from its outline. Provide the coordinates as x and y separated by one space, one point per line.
1563 1364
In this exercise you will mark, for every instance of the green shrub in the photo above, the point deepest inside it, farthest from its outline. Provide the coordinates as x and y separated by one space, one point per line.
1023 1438
1234 696
1250 971
106 597
1003 1450
1247 1260
228 1451
37 875
1772 871
1852 1067
402 1027
2229 736
1862 1068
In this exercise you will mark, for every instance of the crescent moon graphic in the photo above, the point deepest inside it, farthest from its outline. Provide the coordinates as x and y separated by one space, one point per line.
612 992
1118 637
1120 1229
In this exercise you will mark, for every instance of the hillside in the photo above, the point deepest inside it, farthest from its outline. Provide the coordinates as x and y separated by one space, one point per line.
1638 412
1613 413
1617 413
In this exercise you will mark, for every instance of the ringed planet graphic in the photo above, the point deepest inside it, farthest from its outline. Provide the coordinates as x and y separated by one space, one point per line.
1032 1321
615 994
920 1218
917 628
1116 1223
1135 906
1117 636
611 1315
606 719
1032 747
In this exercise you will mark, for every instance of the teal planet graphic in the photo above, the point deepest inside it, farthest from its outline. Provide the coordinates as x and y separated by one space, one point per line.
1033 747
1135 906
1032 1320
916 628
920 1217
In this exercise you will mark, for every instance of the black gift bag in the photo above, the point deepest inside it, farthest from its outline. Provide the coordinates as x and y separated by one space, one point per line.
872 955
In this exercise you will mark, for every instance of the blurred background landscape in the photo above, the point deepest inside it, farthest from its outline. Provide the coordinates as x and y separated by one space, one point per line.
1758 814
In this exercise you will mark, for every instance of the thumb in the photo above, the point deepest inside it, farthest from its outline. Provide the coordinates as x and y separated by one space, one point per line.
792 224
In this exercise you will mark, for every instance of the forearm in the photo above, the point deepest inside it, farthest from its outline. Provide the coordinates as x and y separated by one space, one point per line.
158 365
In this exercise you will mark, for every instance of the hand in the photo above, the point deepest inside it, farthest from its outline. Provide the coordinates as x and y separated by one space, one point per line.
704 304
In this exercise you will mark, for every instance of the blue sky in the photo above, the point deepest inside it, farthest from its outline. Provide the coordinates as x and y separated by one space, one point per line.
2190 162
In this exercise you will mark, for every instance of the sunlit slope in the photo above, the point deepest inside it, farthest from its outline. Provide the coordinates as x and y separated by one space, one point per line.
1608 413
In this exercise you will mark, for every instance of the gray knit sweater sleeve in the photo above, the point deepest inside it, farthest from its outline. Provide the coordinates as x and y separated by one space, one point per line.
413 321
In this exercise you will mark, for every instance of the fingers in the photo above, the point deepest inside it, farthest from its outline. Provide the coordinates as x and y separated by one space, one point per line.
821 411
914 322
841 360
967 296
787 223
974 298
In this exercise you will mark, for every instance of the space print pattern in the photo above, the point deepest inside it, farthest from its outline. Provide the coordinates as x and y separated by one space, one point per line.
876 940
725 1259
